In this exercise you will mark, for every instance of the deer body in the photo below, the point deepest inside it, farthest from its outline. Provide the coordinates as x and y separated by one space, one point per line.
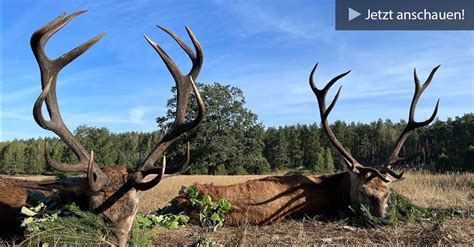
271 199
274 198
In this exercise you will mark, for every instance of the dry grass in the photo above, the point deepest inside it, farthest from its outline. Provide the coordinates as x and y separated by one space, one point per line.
438 190
28 177
316 232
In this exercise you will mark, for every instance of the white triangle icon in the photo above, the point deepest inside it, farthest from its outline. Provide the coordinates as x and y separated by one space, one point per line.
353 14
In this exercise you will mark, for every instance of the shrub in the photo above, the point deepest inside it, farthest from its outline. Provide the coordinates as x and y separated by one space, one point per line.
444 163
211 214
170 221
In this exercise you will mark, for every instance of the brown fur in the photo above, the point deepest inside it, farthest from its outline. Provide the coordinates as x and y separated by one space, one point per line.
122 213
271 199
13 195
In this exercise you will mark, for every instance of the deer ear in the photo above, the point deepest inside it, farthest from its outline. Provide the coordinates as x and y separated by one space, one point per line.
76 185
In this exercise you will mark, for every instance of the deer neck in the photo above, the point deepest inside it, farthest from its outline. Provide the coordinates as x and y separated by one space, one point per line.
338 189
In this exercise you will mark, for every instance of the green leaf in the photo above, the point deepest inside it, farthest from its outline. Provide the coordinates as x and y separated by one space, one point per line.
39 207
173 225
158 219
27 221
216 218
28 212
183 219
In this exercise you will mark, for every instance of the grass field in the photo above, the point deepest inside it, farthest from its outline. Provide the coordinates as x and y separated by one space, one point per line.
428 190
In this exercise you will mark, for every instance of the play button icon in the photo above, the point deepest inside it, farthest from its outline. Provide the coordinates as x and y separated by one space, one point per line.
353 14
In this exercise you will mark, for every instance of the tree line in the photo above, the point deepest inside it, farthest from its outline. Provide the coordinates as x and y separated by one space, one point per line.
231 141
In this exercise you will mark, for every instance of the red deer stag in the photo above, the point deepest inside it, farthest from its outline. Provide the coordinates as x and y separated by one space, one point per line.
274 198
112 191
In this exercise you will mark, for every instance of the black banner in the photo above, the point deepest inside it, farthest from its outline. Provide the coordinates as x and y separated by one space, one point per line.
404 14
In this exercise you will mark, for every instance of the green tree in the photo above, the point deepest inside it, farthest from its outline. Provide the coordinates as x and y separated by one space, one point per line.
443 163
229 135
318 165
129 149
231 141
14 158
294 147
35 157
99 140
468 162
281 150
328 161
310 142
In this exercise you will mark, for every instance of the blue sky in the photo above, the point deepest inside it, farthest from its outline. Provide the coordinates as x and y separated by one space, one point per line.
267 48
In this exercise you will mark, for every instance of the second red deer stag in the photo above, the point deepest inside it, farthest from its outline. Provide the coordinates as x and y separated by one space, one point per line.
112 191
274 198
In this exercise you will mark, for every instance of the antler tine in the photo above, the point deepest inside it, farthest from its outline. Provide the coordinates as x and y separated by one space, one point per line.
197 61
374 173
184 85
392 173
196 58
201 108
93 184
412 124
49 73
148 166
324 113
172 67
186 48
40 37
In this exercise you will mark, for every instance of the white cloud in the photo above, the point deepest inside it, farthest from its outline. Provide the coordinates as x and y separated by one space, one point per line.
136 114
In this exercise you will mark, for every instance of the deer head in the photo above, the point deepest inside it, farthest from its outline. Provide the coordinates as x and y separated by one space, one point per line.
112 190
369 185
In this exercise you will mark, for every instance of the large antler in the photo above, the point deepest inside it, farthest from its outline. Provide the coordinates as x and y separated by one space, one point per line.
351 163
49 73
412 124
324 113
184 85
